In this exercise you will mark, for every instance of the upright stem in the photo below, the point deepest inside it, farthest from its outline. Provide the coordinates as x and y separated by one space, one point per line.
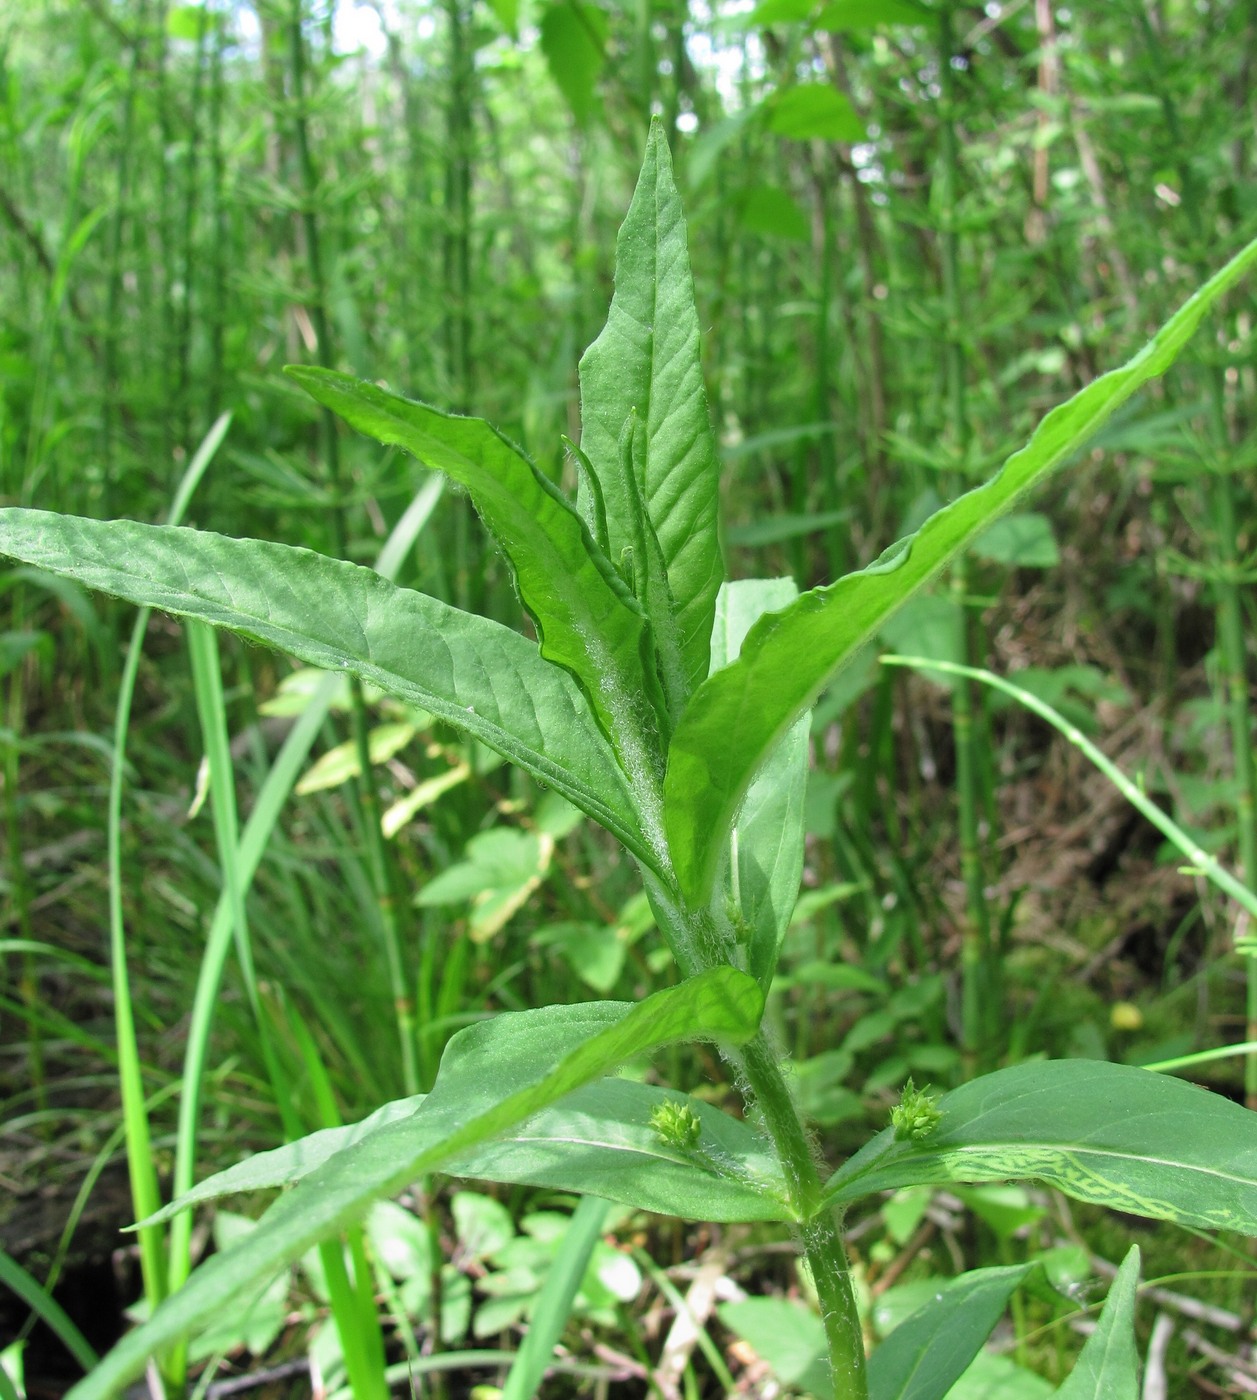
698 942
820 1230
1232 647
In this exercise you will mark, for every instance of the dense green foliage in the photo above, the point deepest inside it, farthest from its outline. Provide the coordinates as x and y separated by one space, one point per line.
914 229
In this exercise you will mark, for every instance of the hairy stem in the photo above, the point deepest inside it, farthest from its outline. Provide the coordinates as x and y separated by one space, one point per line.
821 1234
699 942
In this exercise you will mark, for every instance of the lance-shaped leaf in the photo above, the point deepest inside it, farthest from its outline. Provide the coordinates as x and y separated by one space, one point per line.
587 620
599 1140
471 672
1108 1368
1118 1136
493 1076
767 843
736 717
650 570
928 1352
647 358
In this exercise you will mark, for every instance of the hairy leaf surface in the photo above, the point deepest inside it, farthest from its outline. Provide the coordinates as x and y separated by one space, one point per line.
736 716
1118 1136
502 1072
473 673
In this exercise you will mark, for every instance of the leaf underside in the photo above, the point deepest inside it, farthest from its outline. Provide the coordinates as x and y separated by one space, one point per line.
598 1140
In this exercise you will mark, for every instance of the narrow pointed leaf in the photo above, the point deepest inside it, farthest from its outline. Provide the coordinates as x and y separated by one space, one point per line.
1108 1368
586 619
599 1140
650 570
769 830
647 358
493 1076
1118 1136
927 1353
736 717
554 1303
473 673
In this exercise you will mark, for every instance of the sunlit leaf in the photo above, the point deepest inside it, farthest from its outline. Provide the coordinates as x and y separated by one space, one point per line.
736 717
493 1076
475 674
1122 1137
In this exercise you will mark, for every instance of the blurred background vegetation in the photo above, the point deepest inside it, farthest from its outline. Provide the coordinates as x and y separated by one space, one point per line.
914 228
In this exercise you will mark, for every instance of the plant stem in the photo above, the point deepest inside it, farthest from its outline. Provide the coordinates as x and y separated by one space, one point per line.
822 1237
697 943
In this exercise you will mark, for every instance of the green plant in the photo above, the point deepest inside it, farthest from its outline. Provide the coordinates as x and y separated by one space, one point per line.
672 709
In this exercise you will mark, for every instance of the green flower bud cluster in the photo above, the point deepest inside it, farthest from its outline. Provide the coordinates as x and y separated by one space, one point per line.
916 1115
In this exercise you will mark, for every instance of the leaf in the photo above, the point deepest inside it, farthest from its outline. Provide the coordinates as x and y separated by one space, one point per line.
502 869
340 763
648 358
493 1076
992 1377
1108 1368
789 1337
554 1305
1024 541
600 1140
925 1355
587 621
507 14
814 111
736 717
769 833
775 12
474 674
931 625
1118 1136
573 39
844 16
773 212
